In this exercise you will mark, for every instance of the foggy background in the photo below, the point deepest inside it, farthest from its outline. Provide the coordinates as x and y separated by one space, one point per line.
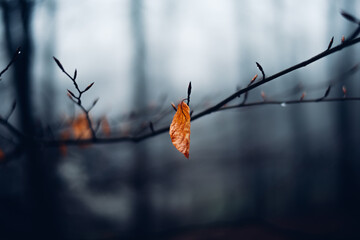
296 164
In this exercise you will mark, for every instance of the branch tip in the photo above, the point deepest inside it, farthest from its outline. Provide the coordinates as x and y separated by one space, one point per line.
89 86
261 69
12 109
189 93
330 43
95 101
59 64
151 127
327 91
349 17
71 93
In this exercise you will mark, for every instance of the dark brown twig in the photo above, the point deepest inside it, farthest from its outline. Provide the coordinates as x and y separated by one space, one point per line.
77 99
277 75
166 129
285 103
353 19
220 106
15 56
13 106
189 93
330 43
261 70
11 128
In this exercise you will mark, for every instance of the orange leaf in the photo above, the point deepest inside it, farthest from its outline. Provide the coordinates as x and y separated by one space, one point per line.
80 127
180 129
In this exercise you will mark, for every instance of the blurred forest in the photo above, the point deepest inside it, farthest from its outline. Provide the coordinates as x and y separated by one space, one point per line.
258 172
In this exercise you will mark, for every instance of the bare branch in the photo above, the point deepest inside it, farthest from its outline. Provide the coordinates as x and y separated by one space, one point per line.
78 98
220 106
188 93
154 133
88 87
15 56
277 75
261 70
11 128
330 43
284 103
13 106
349 17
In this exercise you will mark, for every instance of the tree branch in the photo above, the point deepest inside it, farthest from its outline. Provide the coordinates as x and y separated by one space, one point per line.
220 106
276 75
72 96
11 128
15 56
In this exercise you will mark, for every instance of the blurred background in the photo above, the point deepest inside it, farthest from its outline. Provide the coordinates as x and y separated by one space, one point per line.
264 172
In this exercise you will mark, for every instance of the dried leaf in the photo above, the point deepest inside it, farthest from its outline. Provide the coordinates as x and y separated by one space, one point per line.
80 127
180 129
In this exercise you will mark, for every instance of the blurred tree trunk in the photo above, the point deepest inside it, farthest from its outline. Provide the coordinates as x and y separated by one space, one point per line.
141 214
47 81
348 186
40 218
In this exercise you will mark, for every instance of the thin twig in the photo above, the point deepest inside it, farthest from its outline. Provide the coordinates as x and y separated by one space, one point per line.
15 56
72 96
285 103
13 106
166 129
220 106
276 75
353 19
11 128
